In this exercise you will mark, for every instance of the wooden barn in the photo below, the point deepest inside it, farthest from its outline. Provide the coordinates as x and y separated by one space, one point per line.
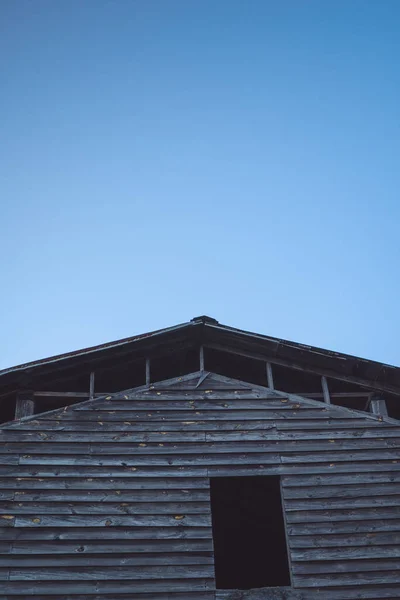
200 462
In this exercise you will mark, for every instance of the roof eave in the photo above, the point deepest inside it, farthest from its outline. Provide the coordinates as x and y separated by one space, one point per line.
94 349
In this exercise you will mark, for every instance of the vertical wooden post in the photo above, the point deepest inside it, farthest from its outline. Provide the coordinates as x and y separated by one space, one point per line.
147 371
25 405
286 525
201 358
325 389
270 377
378 406
91 386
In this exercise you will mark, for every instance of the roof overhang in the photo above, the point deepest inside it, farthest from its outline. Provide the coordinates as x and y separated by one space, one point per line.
209 333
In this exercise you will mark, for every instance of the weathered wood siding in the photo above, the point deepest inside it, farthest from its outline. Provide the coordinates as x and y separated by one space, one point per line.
109 499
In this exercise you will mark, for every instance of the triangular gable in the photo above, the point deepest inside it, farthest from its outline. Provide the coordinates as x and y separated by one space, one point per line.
204 390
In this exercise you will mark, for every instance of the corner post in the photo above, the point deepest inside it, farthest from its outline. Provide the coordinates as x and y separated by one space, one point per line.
270 376
147 371
325 390
378 406
91 386
25 404
201 358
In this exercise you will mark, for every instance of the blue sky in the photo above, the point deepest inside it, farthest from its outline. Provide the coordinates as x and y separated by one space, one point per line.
162 159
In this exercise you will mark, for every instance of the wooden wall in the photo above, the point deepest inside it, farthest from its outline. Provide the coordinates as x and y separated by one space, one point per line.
109 499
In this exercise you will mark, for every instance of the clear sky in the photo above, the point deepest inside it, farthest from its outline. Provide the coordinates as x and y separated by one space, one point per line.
161 159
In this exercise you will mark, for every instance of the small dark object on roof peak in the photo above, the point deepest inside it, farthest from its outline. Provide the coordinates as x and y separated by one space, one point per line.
204 319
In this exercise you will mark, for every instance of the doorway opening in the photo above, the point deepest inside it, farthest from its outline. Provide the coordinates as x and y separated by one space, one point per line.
249 533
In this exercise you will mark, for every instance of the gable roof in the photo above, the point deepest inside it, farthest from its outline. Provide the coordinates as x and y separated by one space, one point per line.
207 331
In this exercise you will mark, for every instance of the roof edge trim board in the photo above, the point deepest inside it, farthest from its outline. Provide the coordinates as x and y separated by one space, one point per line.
95 349
293 365
297 346
60 372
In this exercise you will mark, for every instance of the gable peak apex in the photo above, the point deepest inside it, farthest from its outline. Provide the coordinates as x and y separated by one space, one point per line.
204 319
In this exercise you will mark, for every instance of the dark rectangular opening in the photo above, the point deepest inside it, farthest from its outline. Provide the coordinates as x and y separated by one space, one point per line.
249 533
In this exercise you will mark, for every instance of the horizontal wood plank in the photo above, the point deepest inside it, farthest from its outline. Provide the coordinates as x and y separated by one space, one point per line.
376 502
136 459
159 572
149 520
339 567
104 508
70 531
345 540
81 560
103 546
120 445
114 495
155 595
359 579
384 475
341 492
369 592
237 434
84 483
336 515
198 415
195 403
371 526
346 553
32 585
